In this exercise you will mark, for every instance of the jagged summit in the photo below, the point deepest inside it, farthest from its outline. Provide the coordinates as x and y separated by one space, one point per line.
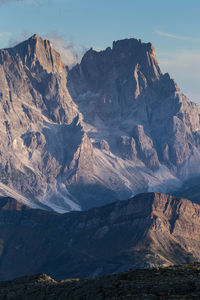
115 77
33 40
37 53
127 58
131 44
35 36
127 45
37 39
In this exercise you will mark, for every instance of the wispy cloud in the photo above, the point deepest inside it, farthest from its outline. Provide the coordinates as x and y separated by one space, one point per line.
70 54
177 37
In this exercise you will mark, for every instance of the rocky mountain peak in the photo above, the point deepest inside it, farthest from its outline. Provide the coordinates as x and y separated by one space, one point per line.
35 36
124 56
133 45
37 53
117 76
137 131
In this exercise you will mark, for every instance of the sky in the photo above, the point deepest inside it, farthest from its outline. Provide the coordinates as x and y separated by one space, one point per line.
73 26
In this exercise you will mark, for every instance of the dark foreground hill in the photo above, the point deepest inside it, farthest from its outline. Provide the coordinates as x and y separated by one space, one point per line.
148 230
178 282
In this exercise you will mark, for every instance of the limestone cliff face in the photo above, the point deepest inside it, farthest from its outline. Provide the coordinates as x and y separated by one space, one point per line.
125 88
148 120
38 120
176 218
114 78
38 54
32 74
112 126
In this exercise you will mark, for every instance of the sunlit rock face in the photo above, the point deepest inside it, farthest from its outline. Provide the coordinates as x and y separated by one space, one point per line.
38 119
110 127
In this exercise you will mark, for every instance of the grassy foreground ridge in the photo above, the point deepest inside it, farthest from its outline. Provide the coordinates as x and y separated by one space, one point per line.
176 282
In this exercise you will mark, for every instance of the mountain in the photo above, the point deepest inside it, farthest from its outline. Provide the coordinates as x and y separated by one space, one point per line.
178 282
148 230
109 128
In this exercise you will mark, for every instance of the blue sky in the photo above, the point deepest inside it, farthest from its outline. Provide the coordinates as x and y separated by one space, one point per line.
172 26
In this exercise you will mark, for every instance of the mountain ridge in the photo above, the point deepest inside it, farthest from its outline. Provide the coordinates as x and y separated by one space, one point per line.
109 128
177 282
149 230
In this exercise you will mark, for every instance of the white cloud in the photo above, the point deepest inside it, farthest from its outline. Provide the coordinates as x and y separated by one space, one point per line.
177 37
69 53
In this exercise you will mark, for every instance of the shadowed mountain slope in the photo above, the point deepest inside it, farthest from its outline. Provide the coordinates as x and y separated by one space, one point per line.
148 230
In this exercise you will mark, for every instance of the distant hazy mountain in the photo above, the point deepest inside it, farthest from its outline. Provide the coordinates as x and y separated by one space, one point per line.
109 128
148 230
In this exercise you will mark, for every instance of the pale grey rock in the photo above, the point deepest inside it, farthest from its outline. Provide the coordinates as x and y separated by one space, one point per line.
103 145
34 104
146 148
127 147
110 127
